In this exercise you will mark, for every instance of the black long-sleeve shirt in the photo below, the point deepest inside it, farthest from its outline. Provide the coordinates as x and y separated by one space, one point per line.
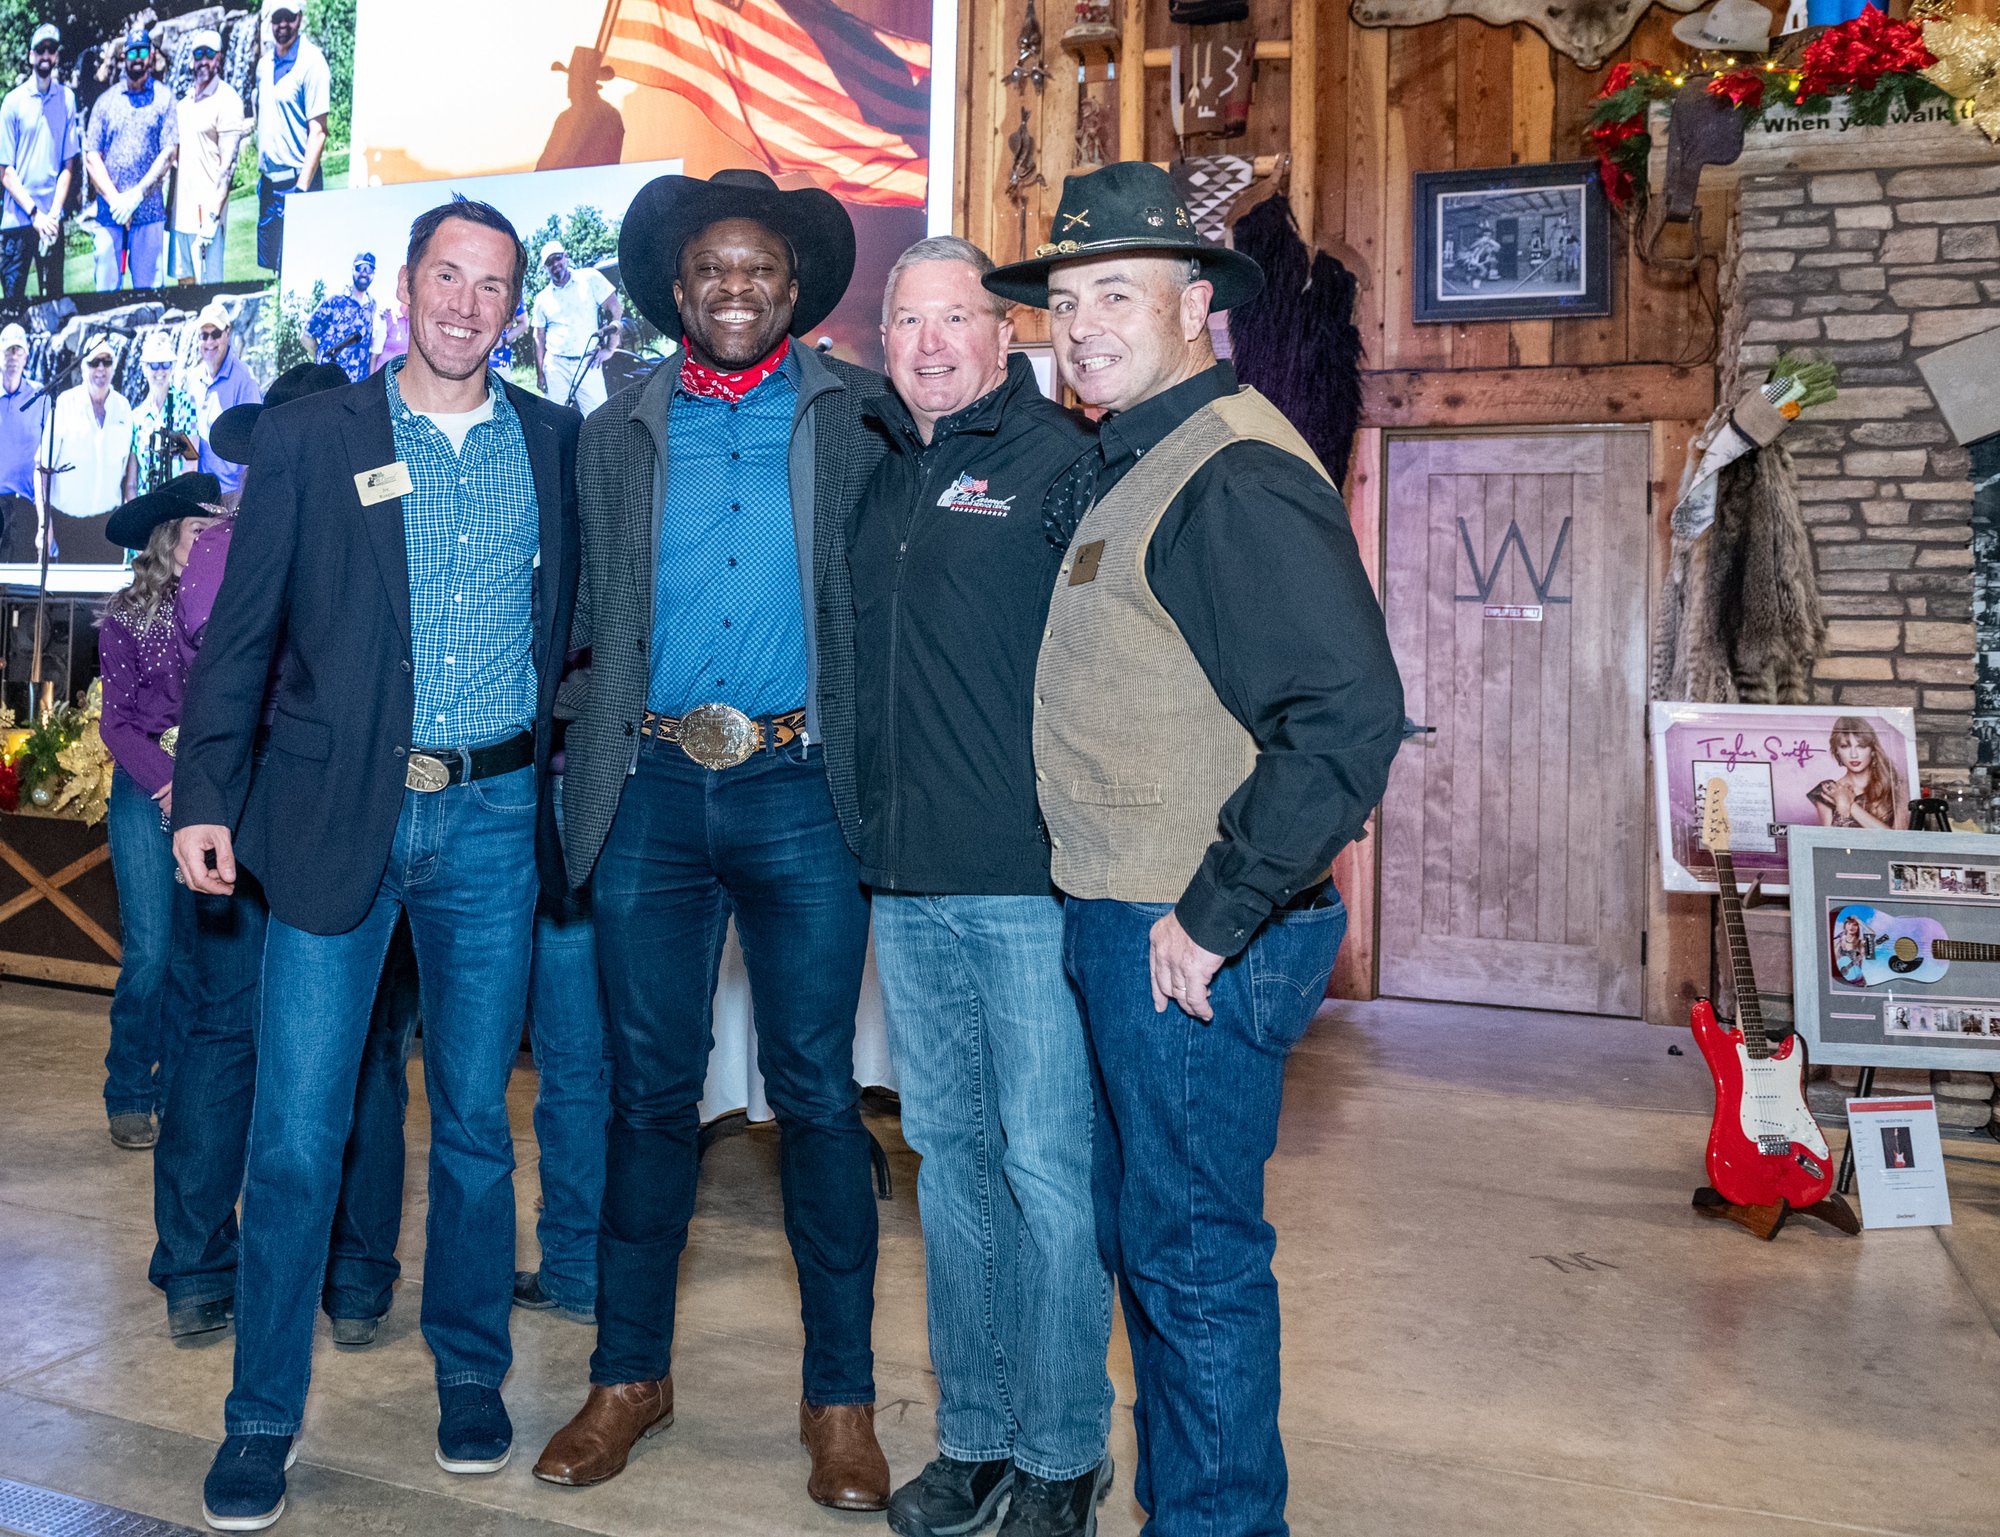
1256 562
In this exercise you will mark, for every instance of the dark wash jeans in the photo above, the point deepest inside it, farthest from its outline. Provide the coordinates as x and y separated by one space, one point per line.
689 848
155 914
205 1128
1187 1118
463 868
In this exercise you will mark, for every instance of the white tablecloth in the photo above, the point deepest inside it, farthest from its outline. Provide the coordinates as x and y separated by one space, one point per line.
733 1080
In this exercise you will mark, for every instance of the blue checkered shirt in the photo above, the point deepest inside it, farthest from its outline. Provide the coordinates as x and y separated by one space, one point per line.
729 621
472 532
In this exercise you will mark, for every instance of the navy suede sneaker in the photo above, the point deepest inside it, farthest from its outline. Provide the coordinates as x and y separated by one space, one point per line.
245 1487
474 1433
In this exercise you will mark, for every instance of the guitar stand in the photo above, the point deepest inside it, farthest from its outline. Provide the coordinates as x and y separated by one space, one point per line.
1765 1221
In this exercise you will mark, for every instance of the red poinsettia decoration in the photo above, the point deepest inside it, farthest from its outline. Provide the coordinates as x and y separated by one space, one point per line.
1742 88
1855 55
1617 132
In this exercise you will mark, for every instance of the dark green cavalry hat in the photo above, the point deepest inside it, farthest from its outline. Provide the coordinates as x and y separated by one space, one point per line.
1129 206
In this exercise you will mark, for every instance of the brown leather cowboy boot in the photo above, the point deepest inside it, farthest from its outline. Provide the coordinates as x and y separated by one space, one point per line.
849 1471
593 1446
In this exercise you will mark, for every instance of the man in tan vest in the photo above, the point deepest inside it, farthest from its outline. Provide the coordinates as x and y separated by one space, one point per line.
1215 712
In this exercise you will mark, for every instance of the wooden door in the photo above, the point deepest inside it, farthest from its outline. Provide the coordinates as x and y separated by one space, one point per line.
1515 588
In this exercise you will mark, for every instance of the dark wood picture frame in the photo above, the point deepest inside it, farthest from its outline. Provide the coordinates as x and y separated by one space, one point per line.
1511 242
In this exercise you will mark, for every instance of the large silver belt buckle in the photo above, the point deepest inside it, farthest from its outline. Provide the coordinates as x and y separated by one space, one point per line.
426 773
718 736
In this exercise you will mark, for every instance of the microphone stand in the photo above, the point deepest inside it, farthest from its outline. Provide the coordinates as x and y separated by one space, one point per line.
44 523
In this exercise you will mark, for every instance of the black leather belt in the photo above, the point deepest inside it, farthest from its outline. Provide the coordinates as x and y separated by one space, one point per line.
433 768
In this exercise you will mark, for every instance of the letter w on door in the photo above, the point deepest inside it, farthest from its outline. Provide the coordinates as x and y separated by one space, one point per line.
1484 580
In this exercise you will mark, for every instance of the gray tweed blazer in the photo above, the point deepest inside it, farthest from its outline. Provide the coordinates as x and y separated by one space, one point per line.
621 489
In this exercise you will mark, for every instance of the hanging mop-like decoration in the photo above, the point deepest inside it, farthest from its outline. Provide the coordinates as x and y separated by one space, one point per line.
1296 341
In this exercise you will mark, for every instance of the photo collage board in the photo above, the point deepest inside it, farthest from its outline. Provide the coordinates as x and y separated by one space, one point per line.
198 197
1896 947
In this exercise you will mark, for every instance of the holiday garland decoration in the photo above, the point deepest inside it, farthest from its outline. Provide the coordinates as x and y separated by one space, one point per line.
60 766
1877 65
1966 50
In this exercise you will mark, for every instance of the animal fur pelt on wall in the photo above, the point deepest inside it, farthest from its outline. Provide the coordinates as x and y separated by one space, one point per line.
1296 341
1589 31
1740 617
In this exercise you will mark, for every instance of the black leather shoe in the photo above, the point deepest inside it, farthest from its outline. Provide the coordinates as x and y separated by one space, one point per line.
1065 1508
200 1317
528 1292
950 1498
354 1333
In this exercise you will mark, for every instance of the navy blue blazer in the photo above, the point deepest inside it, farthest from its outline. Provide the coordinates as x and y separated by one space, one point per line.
323 582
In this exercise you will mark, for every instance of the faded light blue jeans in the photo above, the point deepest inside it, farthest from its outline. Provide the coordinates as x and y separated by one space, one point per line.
996 1087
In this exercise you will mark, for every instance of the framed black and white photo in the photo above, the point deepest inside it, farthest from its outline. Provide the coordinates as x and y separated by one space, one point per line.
1512 243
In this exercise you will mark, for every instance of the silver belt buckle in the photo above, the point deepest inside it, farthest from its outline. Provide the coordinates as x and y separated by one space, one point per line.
426 773
718 736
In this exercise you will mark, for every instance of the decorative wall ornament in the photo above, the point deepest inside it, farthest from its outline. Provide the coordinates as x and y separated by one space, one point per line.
1096 132
1024 174
1209 185
1588 31
1212 80
1028 68
1095 24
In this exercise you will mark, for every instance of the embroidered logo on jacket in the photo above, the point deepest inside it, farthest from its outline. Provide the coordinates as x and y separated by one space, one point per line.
968 495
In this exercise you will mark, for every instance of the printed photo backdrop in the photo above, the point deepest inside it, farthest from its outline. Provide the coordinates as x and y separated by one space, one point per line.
837 94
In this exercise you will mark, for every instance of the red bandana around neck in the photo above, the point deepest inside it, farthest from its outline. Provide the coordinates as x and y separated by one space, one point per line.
698 380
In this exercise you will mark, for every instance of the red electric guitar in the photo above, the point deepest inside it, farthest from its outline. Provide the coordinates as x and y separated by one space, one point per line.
1764 1146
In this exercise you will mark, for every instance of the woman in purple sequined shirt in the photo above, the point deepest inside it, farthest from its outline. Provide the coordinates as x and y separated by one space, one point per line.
143 672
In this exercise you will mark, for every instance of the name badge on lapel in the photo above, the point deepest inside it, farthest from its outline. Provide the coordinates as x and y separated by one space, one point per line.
1083 564
384 485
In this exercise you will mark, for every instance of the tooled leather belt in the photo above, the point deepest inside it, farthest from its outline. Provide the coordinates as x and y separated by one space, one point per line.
720 736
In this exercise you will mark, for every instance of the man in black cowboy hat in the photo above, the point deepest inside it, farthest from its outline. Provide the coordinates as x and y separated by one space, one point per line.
1215 712
711 773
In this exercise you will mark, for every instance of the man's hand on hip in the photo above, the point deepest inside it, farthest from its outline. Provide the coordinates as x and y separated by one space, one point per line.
1182 970
193 845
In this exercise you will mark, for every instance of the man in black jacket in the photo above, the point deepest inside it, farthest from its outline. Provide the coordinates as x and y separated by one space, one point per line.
410 542
709 774
952 573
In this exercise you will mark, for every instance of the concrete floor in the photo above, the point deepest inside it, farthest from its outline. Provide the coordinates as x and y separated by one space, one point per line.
1442 1374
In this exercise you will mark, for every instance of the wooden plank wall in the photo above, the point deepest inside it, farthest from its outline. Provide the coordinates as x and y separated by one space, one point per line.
1453 94
1456 93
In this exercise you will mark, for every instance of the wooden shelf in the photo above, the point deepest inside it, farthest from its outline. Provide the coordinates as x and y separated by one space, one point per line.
1280 50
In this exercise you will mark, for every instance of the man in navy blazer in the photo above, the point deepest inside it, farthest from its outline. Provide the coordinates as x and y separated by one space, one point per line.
408 551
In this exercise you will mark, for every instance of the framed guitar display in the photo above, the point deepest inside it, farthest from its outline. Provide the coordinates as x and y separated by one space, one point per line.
1787 767
1896 947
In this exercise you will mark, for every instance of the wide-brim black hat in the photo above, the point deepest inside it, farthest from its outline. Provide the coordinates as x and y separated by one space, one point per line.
671 210
196 494
230 436
1129 206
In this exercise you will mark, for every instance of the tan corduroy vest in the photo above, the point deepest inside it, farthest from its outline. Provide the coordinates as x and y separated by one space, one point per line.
1134 754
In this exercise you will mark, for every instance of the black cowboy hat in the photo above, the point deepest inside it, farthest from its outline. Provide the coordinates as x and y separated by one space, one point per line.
196 494
230 436
1129 206
670 211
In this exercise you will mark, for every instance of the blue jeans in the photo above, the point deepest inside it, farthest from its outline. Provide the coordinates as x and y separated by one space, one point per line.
689 847
271 215
154 916
997 1098
140 249
572 1095
462 867
1188 1116
205 1128
361 1268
